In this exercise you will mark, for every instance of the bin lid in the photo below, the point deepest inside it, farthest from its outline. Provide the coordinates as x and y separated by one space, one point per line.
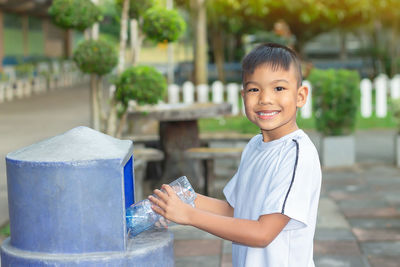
78 144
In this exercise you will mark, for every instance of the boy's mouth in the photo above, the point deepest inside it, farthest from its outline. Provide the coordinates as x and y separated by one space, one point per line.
265 115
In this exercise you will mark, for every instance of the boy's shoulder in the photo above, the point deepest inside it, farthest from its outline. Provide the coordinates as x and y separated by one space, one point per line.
299 135
288 145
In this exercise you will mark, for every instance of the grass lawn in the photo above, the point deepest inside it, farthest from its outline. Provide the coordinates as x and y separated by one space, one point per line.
241 124
5 230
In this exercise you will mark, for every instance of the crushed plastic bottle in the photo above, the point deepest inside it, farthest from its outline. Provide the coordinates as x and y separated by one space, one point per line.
141 217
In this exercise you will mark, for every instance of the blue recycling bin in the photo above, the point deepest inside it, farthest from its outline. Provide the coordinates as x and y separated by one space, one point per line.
67 198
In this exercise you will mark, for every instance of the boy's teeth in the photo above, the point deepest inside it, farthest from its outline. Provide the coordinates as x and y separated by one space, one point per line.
268 114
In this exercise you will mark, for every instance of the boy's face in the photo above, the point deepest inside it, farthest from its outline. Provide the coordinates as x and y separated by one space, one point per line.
271 98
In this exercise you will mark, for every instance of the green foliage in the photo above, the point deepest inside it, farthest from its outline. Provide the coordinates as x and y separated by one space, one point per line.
396 112
144 84
161 24
137 7
336 97
5 230
74 14
95 56
239 124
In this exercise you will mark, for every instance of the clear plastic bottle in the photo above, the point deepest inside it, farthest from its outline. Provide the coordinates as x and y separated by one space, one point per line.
141 217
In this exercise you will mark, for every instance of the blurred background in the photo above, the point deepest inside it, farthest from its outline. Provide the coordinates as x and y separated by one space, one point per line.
55 55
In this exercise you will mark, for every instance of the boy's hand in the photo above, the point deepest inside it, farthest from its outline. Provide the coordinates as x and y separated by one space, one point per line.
169 205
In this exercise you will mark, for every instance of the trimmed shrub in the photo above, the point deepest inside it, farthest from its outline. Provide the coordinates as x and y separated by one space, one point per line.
95 57
161 24
74 14
336 97
144 84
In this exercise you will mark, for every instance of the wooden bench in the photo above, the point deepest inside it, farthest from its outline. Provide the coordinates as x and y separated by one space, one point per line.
207 155
148 154
141 157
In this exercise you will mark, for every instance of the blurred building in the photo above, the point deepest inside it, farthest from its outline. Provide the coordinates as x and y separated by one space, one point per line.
27 33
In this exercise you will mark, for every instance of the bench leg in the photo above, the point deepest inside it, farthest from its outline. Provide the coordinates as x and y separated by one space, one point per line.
209 176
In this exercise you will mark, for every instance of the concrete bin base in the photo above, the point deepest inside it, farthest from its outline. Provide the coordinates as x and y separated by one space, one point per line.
151 248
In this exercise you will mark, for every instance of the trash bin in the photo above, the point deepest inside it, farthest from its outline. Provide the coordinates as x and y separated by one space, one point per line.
67 198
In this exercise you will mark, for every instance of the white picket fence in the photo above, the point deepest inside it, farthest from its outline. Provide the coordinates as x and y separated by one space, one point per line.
217 92
14 88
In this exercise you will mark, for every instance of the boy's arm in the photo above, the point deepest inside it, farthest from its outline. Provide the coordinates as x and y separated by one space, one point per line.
247 232
213 205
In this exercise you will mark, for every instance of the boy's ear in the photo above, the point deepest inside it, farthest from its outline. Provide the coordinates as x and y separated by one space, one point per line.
242 93
302 94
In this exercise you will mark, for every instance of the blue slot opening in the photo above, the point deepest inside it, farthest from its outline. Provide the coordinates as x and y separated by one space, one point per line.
129 183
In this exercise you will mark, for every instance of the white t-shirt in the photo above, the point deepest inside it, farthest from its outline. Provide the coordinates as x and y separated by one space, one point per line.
280 176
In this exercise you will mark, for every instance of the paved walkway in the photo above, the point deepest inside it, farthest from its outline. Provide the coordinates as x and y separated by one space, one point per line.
359 212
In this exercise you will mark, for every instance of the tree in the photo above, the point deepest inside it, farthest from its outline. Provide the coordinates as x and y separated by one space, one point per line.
384 26
156 23
98 58
79 15
74 14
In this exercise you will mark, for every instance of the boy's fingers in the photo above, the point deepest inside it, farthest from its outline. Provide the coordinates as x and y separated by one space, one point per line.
168 189
161 194
157 202
158 210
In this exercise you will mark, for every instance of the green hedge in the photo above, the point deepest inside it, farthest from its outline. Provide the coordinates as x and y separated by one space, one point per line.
336 98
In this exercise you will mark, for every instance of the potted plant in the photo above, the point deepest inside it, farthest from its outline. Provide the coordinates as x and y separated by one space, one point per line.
336 97
396 115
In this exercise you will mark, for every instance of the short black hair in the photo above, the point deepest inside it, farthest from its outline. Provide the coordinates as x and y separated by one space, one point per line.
274 55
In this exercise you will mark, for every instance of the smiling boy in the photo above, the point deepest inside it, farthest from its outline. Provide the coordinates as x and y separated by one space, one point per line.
271 202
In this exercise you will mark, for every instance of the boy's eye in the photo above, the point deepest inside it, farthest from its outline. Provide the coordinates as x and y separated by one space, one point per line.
279 88
252 90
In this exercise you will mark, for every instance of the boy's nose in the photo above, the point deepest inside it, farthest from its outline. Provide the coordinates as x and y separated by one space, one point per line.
265 97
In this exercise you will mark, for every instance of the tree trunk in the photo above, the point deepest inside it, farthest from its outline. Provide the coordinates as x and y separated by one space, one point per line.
343 48
394 50
135 48
112 116
95 27
200 56
219 58
121 124
100 99
231 48
94 103
68 43
123 36
170 52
